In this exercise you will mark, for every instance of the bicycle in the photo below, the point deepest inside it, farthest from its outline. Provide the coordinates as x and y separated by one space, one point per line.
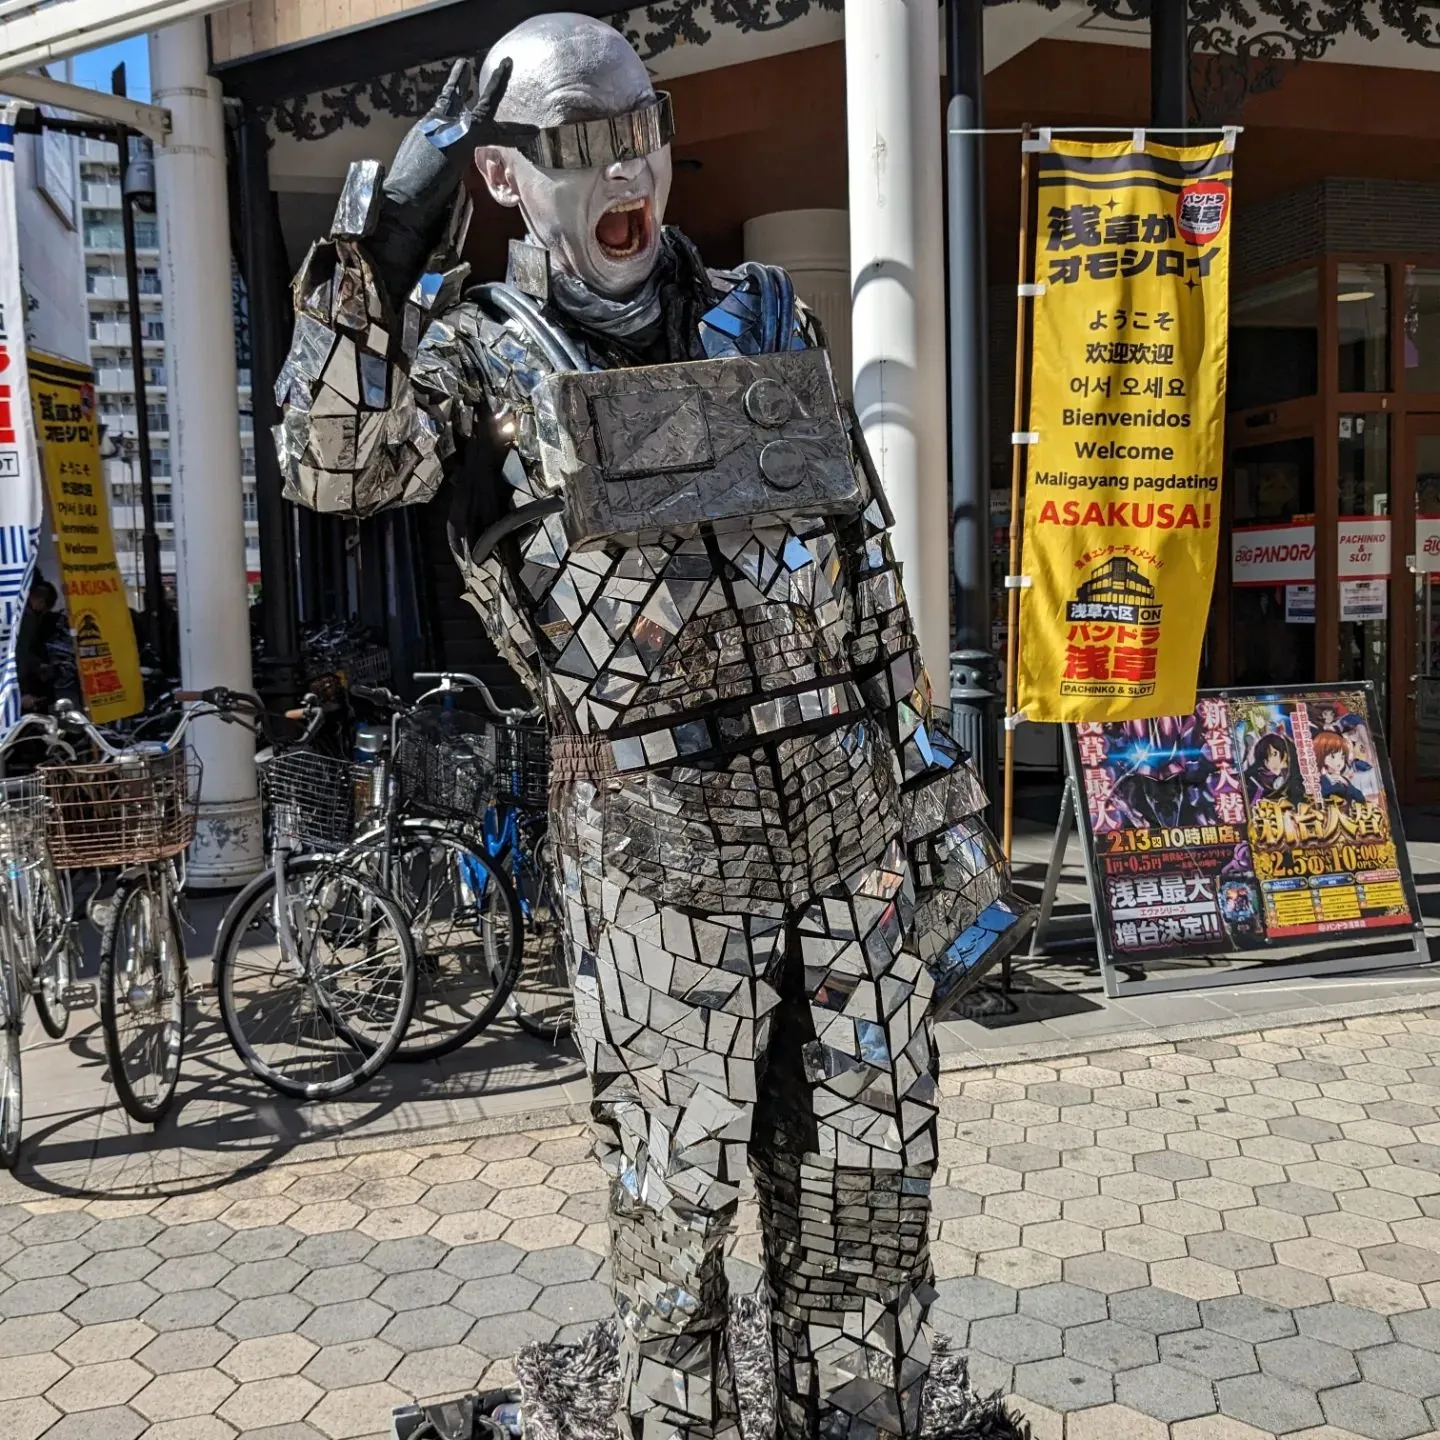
516 841
435 768
132 810
314 964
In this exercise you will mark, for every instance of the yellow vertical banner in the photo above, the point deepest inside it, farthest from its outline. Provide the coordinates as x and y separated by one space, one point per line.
66 426
1125 448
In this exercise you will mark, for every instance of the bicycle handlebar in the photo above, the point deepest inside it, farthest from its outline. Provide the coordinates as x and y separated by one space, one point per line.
453 680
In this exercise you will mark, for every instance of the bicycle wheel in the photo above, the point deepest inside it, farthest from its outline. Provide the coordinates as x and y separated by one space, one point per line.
142 999
54 939
11 1024
322 1019
466 927
541 1001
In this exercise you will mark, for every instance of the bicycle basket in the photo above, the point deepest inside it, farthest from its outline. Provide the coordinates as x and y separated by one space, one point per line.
445 762
22 821
128 811
316 801
523 768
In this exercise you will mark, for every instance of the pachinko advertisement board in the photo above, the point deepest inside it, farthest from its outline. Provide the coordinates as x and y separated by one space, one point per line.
1260 819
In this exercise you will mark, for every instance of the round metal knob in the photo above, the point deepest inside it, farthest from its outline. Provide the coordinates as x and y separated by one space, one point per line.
767 402
782 463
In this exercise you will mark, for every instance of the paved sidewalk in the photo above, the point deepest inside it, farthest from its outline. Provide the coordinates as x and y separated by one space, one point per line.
1199 1240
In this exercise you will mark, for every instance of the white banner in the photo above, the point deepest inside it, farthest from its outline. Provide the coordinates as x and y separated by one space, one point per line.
1285 554
21 505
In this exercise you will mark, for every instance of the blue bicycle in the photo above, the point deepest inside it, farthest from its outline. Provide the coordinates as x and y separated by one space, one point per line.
515 830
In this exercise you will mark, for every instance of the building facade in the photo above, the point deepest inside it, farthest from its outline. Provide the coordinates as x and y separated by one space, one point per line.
110 352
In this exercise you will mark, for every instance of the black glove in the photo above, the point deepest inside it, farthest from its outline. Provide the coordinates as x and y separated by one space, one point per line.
421 184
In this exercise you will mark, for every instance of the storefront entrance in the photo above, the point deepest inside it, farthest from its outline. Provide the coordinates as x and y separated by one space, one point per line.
1331 572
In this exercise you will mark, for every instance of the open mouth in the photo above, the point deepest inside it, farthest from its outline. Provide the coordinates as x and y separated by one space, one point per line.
623 231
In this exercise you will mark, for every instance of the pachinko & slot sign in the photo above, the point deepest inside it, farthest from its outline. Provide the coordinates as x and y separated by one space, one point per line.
1259 819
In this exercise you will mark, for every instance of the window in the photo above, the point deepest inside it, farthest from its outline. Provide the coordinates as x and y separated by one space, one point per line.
1422 328
157 417
1364 600
164 510
1275 342
252 509
1362 299
147 235
1272 627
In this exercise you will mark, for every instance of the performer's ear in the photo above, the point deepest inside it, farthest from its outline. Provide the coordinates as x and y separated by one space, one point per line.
493 163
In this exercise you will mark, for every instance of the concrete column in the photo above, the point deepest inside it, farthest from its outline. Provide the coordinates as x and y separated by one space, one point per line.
205 444
814 247
897 268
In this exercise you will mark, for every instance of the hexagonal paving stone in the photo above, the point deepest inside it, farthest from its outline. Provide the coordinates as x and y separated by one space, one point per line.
1016 1339
1158 1311
1209 1353
1111 1345
183 1394
412 1252
1165 1392
40 1261
116 1422
116 1267
345 1247
1230 1250
38 1297
975 1298
25 1375
1106 1273
58 1225
580 1301
563 1264
26 1419
334 1283
271 1402
189 1272
499 1336
416 1290
122 1233
499 1295
187 1310
1420 1328
433 1373
1269 1403
263 1242
1375 1412
1310 1364
200 1237
269 1315
1403 1368
1404 1262
1063 1384
185 1350
119 1340
355 1363
341 1324
277 1276
1343 1325
112 1302
268 1356
95 1387
414 1330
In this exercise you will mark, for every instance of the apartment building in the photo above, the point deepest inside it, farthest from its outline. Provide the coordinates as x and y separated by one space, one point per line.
112 356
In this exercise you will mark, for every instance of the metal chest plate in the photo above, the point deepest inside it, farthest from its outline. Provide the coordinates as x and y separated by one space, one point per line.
733 443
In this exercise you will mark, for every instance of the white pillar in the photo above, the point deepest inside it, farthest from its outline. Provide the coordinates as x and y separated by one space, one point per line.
897 267
205 444
814 247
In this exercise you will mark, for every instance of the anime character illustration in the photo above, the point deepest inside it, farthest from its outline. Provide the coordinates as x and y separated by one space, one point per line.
773 860
1274 771
1332 754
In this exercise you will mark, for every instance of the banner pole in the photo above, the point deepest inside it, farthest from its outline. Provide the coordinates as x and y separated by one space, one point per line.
1017 475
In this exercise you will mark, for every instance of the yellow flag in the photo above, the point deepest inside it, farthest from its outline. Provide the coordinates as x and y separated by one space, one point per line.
1127 406
63 394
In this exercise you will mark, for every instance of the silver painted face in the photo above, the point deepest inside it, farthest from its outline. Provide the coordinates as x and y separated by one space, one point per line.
600 224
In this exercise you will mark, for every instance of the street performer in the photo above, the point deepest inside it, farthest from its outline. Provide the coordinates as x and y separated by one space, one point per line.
774 869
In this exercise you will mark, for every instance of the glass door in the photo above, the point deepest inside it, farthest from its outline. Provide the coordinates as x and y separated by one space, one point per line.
1421 754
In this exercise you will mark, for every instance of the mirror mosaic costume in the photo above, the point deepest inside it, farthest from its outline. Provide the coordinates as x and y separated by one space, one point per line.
775 869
